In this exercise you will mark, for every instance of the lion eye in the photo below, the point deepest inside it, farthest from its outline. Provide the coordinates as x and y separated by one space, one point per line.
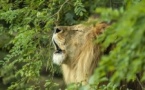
79 30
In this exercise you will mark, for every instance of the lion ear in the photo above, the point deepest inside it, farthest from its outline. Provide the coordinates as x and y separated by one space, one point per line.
99 28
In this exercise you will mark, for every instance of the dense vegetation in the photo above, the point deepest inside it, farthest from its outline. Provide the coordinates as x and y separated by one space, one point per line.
26 27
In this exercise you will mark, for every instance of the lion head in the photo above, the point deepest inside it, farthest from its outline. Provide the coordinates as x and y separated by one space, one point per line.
76 51
68 41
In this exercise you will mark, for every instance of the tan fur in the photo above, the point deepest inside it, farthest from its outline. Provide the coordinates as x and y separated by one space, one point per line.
82 54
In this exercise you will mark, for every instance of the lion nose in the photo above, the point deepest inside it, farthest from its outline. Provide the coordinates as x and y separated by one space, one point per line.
56 30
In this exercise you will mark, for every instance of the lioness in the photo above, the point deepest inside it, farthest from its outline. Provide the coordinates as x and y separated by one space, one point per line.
76 52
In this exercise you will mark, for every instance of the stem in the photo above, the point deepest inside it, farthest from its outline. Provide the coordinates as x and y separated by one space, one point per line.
143 88
57 13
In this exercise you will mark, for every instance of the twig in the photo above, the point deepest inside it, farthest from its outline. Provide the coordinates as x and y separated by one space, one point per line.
57 13
143 88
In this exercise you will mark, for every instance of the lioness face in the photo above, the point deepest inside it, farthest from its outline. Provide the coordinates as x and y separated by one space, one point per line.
67 41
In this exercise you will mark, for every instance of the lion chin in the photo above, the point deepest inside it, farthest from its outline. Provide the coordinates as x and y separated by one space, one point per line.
58 58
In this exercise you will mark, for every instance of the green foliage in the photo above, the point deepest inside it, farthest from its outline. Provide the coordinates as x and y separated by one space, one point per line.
29 49
79 8
127 58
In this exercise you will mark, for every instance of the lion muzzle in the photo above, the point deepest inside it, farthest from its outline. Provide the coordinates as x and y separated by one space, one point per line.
59 54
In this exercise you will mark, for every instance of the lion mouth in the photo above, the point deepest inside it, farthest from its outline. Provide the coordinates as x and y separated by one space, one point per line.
58 49
59 54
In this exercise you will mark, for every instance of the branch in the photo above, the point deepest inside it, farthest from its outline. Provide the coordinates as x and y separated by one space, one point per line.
57 13
140 83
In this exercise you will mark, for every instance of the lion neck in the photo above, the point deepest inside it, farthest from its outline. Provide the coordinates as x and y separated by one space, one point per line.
81 67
